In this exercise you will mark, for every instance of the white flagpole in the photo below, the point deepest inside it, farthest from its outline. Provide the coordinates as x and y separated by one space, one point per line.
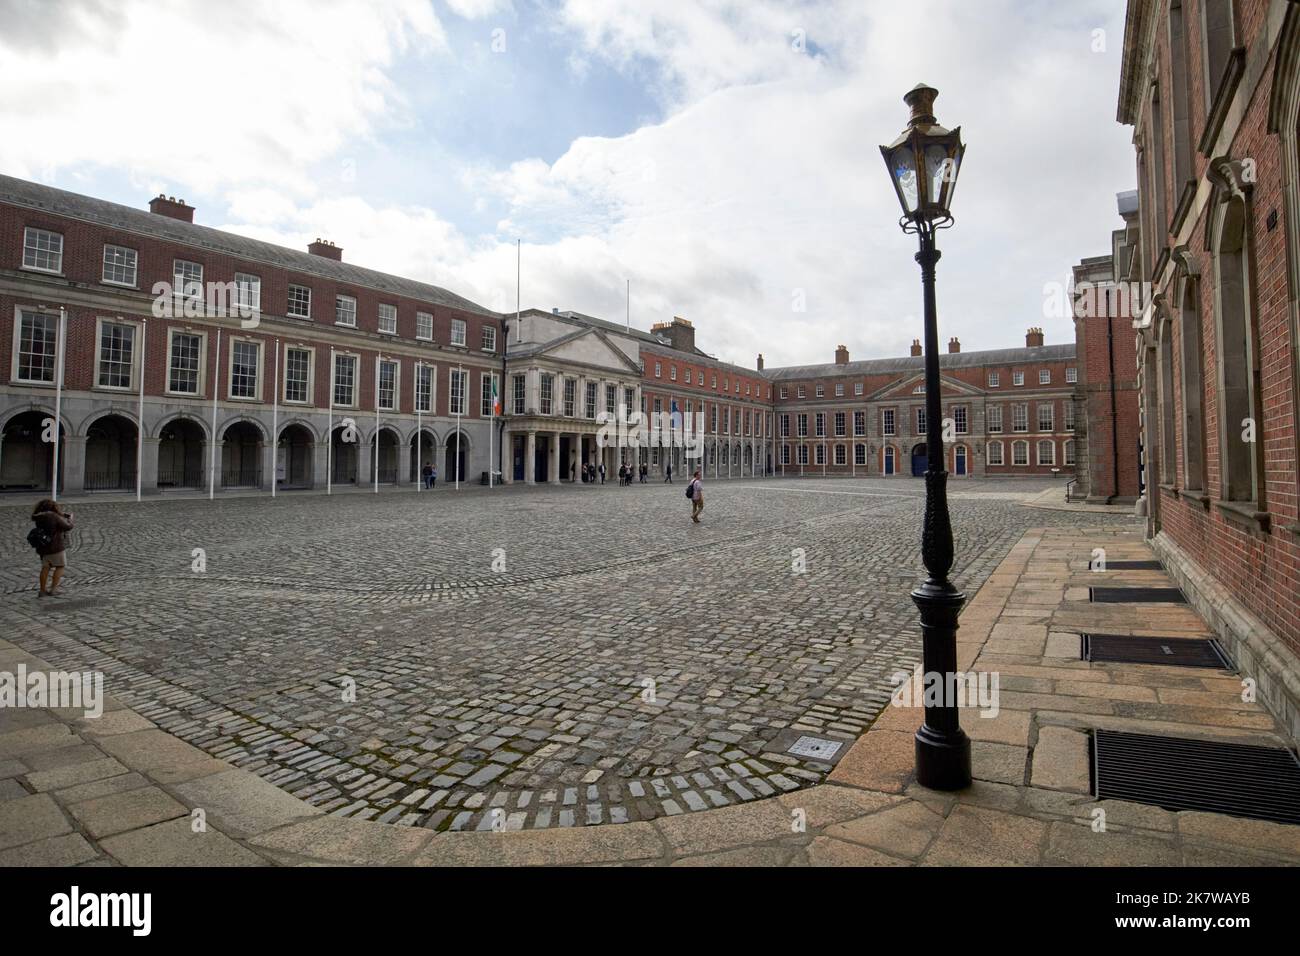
212 458
139 429
376 450
518 274
460 375
419 433
60 348
629 305
275 424
329 434
492 420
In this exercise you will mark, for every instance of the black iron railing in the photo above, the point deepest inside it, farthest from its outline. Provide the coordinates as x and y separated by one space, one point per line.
243 477
113 480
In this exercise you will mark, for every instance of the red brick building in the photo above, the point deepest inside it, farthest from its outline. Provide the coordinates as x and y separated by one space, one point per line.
252 341
1108 422
1212 91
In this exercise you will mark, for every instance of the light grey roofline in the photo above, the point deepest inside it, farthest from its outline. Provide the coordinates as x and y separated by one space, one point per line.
59 202
910 363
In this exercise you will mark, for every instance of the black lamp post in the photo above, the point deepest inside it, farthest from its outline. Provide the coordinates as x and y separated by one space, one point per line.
923 164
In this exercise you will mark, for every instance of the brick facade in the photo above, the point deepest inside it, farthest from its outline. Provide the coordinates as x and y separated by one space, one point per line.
1212 90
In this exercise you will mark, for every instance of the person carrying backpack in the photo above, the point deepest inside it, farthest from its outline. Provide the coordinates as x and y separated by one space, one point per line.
695 491
50 522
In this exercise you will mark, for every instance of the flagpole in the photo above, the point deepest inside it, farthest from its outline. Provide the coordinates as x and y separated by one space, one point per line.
376 450
212 458
492 420
419 433
329 434
139 431
518 275
629 305
60 350
460 375
275 424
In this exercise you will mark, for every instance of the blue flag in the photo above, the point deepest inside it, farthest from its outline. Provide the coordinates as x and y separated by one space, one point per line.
675 418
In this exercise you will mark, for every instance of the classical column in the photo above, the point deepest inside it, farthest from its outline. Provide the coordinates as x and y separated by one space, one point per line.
554 457
320 462
404 462
268 465
530 459
72 464
149 466
507 463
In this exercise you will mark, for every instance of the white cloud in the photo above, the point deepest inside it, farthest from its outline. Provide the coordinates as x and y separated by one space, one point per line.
761 190
201 94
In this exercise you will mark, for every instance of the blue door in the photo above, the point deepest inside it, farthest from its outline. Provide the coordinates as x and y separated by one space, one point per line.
919 461
959 460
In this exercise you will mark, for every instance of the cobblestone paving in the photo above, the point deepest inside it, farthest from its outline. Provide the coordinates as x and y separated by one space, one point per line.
623 665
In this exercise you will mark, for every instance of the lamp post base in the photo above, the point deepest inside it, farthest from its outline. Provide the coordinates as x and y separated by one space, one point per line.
942 760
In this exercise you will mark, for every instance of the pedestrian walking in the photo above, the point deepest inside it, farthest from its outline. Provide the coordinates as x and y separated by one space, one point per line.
433 476
643 471
668 473
602 472
427 474
573 471
50 522
695 491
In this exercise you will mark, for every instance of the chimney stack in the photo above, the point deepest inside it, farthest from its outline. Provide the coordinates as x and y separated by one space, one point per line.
954 346
916 347
841 355
172 207
1034 338
760 361
326 250
679 332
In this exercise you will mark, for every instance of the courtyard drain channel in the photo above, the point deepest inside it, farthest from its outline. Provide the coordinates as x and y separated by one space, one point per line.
1171 651
1137 596
1134 566
1177 773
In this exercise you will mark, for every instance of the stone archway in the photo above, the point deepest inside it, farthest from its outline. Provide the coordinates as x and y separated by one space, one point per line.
294 457
241 456
181 454
111 442
27 462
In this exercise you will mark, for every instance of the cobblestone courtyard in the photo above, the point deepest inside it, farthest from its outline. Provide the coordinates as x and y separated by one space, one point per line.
517 697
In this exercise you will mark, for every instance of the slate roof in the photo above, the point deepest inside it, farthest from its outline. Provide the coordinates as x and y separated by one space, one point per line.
20 192
916 363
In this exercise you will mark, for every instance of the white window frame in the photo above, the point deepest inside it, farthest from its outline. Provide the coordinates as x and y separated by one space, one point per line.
424 326
1001 460
453 407
230 369
1015 447
420 369
355 359
397 385
200 377
1017 378
489 337
993 419
1050 444
1071 376
134 262
888 422
1050 408
35 233
386 318
857 390
245 283
311 375
995 380
485 381
53 320
289 305
1044 376
340 313
458 333
133 381
187 280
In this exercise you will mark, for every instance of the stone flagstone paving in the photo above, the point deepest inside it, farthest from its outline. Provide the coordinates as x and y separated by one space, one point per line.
516 698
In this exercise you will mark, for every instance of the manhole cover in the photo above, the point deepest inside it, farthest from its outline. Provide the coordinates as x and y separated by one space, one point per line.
815 748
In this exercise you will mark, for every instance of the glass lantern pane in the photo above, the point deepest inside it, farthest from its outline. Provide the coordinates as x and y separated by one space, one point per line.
940 172
904 163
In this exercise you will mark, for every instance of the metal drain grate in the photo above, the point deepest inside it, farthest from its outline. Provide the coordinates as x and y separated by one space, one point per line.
1173 651
1133 566
815 748
1137 596
1177 773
